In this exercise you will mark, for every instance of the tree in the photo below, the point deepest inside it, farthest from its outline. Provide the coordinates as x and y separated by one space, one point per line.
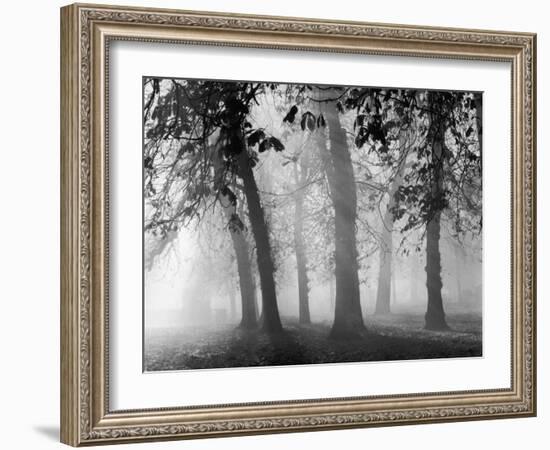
446 173
381 126
300 176
445 162
329 104
305 175
249 313
385 271
314 217
435 315
231 293
181 117
446 165
348 319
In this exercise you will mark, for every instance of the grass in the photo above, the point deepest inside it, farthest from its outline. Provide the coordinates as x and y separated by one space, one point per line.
392 337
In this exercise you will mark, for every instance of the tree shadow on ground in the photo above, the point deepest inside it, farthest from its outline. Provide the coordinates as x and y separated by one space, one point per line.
393 338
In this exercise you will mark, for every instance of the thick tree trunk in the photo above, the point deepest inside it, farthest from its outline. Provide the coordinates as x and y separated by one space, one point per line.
435 315
270 312
348 320
458 275
246 282
299 246
415 275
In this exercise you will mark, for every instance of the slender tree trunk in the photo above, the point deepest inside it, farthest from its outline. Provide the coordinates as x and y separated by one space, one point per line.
244 268
299 246
393 287
412 287
384 273
479 117
247 285
435 315
348 320
331 293
386 281
415 275
270 312
383 294
232 303
258 303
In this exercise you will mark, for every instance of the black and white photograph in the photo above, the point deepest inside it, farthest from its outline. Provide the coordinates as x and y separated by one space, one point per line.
296 224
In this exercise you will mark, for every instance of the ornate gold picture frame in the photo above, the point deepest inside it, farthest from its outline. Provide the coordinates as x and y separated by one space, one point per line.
87 31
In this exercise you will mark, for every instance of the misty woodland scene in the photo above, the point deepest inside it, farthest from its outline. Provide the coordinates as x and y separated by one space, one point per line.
302 224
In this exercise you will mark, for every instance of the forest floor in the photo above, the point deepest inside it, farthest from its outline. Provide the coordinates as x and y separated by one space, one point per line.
392 337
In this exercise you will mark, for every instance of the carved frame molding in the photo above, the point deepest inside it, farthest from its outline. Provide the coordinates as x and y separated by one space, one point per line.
86 31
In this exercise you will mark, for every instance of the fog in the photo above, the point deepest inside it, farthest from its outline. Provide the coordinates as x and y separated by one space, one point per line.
310 212
183 291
